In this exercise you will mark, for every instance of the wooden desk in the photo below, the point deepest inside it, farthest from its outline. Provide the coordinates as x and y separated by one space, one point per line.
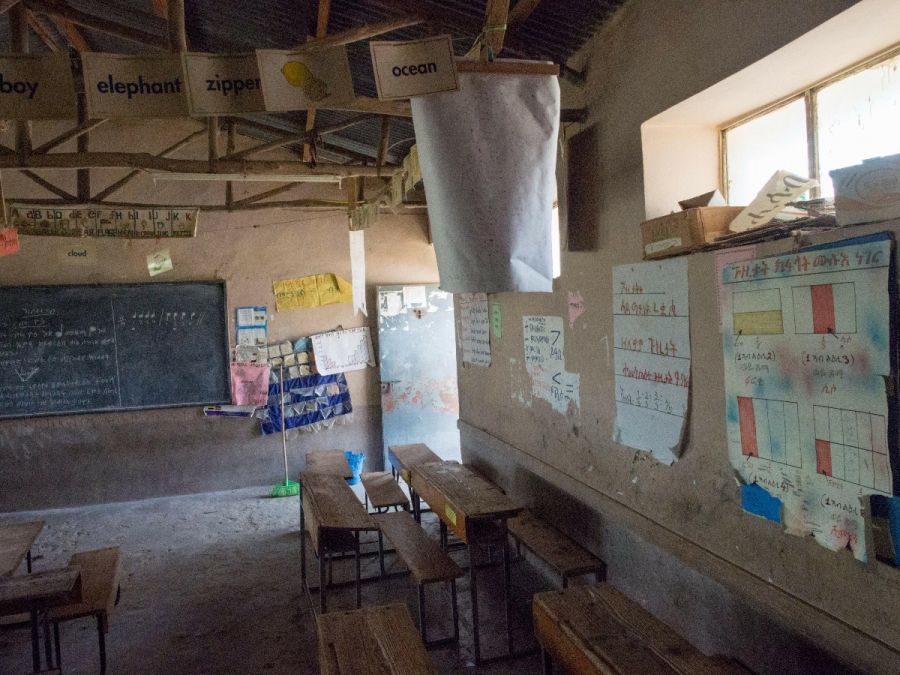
37 594
405 457
594 630
476 510
328 507
328 461
371 641
16 540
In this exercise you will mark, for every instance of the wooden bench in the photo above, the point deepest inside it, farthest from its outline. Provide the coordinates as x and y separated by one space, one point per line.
426 562
596 630
383 491
564 556
101 572
371 641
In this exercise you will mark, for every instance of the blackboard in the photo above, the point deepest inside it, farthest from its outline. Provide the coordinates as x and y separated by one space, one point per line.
72 349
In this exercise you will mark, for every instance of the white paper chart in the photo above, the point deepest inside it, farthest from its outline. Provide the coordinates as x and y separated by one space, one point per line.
343 350
475 329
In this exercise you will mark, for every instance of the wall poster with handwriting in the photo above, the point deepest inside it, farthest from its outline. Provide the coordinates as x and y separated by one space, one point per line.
474 329
806 340
545 362
652 356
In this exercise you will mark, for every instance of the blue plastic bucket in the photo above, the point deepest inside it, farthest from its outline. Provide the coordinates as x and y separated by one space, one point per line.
355 460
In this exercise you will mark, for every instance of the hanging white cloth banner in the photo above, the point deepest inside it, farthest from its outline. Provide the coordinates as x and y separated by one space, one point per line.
358 270
488 157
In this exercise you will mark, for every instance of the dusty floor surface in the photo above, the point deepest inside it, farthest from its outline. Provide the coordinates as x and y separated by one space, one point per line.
212 585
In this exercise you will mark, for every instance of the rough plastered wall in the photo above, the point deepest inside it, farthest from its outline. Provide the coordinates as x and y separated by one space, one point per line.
75 459
675 538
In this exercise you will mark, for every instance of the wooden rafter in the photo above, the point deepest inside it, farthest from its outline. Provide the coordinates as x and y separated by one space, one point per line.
62 10
302 136
494 27
229 149
36 25
177 29
66 136
48 186
519 14
70 200
321 30
72 34
6 5
160 8
18 37
122 182
366 31
148 162
384 141
258 197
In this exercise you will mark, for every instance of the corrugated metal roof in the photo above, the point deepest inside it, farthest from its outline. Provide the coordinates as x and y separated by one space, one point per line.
555 30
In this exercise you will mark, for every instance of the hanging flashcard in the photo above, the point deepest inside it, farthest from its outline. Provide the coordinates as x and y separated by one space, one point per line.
250 383
122 85
93 221
474 329
9 241
781 188
223 83
309 78
37 86
252 326
544 344
652 356
806 339
404 69
343 350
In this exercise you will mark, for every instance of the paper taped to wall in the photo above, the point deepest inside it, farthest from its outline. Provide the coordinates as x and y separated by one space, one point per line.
544 344
652 356
807 350
343 350
473 324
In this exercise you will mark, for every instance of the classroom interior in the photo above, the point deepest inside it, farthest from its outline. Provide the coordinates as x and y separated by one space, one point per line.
479 419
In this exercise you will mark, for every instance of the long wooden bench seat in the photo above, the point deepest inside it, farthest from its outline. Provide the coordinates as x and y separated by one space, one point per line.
382 491
566 557
101 572
426 561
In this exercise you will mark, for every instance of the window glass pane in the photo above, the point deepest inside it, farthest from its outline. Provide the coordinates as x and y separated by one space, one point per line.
758 148
859 117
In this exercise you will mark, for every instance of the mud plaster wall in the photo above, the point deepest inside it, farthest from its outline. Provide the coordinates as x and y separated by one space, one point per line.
675 537
76 459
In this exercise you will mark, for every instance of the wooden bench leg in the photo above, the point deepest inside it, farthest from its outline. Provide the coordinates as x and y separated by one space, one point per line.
101 638
455 610
56 641
323 564
381 553
28 561
358 570
422 627
546 663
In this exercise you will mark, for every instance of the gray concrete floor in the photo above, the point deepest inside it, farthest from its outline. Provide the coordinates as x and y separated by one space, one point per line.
212 585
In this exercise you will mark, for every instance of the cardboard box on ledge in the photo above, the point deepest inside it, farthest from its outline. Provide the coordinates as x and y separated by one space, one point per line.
867 192
683 231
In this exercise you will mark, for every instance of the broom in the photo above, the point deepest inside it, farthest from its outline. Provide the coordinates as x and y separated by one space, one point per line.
288 488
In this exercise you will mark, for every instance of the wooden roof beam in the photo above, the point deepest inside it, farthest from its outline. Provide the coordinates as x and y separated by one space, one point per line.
307 136
366 31
321 30
519 14
39 29
72 34
62 10
494 30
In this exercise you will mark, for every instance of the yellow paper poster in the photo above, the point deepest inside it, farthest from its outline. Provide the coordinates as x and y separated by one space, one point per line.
312 291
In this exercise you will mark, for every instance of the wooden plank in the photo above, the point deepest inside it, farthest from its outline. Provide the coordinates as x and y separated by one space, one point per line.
321 30
61 10
39 591
564 555
508 67
383 490
332 503
366 31
328 461
371 641
72 34
495 14
422 555
16 539
597 629
404 457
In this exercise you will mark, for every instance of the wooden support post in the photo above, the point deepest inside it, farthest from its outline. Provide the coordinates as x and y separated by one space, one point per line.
494 27
229 149
83 175
384 142
177 30
321 30
212 132
18 34
41 31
